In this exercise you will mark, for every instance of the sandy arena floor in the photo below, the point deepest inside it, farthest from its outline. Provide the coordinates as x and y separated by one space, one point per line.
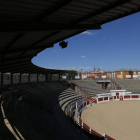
119 119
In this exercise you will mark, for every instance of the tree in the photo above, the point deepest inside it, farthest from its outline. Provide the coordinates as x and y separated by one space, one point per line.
72 74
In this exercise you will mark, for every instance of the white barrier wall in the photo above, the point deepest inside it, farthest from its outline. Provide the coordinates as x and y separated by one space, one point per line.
33 77
6 79
84 107
121 92
54 77
24 78
102 99
79 103
15 78
130 97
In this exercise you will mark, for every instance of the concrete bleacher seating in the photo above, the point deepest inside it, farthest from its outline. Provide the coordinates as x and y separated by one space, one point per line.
5 133
91 86
65 98
41 114
130 85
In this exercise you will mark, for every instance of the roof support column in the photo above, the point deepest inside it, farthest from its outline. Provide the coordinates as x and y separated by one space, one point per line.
59 76
1 78
37 77
51 77
19 78
46 78
11 78
29 78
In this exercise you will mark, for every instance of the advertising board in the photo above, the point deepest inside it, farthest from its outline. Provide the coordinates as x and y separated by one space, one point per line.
103 76
128 76
77 77
63 77
119 76
135 76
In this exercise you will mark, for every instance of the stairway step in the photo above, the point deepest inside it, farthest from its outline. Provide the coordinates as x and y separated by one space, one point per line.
5 133
13 120
23 120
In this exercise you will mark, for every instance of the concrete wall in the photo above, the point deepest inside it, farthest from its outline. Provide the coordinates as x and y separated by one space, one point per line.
41 78
33 77
6 79
54 77
121 92
15 78
44 77
24 78
48 77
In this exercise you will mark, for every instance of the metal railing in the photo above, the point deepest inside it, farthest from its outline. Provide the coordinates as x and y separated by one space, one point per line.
90 133
82 129
116 85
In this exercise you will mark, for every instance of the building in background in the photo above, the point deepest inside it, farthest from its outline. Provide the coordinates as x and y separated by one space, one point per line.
109 74
118 74
123 74
89 75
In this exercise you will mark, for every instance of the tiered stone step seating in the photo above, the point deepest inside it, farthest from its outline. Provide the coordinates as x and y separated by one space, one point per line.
68 96
40 113
5 133
130 85
91 86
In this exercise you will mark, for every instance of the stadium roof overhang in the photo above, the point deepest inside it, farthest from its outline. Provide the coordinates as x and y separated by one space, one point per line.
28 27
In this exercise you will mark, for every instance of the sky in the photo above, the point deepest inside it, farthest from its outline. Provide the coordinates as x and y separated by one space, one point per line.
115 46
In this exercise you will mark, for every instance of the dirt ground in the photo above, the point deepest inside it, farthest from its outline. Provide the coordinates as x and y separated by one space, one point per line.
118 119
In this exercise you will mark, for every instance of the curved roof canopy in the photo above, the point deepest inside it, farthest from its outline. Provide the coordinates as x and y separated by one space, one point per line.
30 26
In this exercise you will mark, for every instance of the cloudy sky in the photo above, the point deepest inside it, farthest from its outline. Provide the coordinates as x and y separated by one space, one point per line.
115 46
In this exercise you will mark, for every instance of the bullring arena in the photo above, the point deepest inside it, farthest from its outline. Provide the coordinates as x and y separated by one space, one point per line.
119 119
114 115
